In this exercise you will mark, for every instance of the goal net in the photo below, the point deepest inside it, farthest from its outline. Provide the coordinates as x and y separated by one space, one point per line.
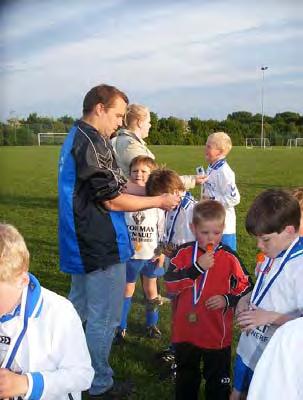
250 143
295 142
51 138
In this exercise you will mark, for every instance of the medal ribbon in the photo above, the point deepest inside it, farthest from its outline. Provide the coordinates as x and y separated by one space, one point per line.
171 231
258 297
25 311
198 289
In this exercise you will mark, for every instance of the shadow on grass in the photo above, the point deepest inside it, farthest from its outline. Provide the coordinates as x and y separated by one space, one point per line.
50 202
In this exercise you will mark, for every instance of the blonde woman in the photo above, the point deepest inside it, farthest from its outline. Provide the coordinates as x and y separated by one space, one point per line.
129 142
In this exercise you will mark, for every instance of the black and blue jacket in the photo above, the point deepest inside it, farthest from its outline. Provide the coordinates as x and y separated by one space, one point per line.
90 237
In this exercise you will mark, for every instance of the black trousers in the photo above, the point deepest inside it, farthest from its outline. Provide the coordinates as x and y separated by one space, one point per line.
216 372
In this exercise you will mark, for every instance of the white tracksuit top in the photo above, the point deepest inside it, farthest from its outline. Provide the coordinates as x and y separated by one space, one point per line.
221 186
53 351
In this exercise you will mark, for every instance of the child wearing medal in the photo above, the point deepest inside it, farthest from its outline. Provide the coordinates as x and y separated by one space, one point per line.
274 219
145 228
39 332
221 184
206 280
177 221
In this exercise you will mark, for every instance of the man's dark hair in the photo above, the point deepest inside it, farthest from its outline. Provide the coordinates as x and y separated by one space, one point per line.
103 94
163 180
271 212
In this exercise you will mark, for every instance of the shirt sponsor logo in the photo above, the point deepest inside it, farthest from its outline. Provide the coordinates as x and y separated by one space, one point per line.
5 340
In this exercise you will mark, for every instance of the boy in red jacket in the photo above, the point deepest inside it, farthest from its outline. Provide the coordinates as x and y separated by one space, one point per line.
206 280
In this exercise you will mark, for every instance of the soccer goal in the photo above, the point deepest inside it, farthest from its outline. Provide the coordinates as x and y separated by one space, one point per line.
51 138
250 143
291 143
295 142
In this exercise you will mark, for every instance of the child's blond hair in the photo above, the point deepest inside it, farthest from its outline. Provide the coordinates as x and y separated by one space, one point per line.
14 256
222 141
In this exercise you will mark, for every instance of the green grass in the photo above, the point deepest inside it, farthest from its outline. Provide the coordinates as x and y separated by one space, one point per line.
28 199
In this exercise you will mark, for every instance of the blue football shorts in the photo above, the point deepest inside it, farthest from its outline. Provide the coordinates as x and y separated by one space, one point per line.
146 267
242 375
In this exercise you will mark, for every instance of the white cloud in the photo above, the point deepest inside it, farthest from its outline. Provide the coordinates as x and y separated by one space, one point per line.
179 45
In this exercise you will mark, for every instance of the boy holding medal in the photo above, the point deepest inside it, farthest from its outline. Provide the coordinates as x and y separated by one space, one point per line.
221 184
274 219
206 280
144 228
39 332
177 222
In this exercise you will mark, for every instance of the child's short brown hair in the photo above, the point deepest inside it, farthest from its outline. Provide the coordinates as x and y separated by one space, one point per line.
145 160
14 256
163 180
272 211
208 210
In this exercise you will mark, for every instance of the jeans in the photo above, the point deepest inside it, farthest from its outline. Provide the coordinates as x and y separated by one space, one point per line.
98 299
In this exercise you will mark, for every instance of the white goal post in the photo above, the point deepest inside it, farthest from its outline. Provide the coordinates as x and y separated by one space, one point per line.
294 142
250 143
51 138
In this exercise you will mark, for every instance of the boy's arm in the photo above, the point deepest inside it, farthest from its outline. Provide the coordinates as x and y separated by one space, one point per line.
181 273
73 372
256 316
241 283
228 193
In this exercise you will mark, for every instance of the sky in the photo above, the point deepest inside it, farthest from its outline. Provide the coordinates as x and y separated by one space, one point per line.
185 58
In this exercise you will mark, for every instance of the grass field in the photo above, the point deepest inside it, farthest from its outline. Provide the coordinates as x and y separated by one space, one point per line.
28 199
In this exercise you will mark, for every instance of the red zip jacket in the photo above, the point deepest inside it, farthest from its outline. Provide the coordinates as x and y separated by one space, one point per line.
207 329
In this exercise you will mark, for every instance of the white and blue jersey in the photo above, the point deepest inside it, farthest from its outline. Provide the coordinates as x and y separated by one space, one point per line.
221 186
278 288
177 229
39 339
90 237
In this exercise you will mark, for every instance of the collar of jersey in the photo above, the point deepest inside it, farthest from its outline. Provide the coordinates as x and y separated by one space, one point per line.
9 316
217 164
33 301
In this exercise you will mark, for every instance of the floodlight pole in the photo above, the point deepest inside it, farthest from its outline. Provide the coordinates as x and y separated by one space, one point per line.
263 69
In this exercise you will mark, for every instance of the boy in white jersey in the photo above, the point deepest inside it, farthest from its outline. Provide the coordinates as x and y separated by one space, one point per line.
281 359
274 219
177 221
145 229
39 332
221 184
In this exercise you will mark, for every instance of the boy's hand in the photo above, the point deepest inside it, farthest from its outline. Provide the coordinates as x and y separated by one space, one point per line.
250 319
243 305
158 260
200 179
206 261
215 302
12 384
169 201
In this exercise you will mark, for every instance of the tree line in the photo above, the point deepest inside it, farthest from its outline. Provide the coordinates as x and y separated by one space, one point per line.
171 130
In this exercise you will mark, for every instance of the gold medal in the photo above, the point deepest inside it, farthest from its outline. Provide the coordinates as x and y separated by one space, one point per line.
192 317
137 246
169 248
